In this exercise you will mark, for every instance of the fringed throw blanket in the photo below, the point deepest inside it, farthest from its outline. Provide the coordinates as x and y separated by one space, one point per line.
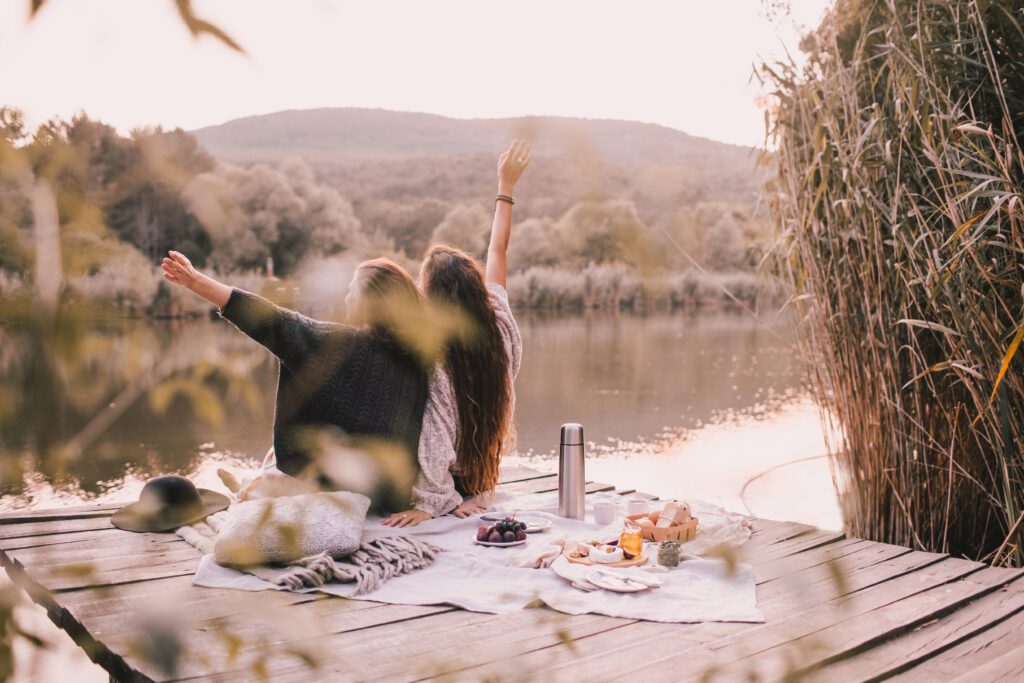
368 567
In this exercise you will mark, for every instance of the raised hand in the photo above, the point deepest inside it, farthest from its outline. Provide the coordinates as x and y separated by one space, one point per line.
511 165
178 269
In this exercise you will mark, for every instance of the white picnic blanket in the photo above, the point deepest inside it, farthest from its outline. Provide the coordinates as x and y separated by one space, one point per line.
483 579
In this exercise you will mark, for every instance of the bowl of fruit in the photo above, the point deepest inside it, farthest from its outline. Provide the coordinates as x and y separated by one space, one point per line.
507 532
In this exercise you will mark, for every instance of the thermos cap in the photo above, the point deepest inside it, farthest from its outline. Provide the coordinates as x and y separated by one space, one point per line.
572 434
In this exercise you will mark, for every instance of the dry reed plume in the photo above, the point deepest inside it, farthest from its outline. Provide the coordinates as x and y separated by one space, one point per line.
898 198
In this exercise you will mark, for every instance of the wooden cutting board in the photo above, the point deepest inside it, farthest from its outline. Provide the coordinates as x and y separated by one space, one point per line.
635 562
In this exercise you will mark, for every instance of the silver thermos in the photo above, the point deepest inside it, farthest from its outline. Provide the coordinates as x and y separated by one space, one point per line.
571 479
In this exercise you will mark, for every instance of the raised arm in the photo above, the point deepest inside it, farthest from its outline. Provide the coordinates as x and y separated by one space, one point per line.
179 270
290 336
511 165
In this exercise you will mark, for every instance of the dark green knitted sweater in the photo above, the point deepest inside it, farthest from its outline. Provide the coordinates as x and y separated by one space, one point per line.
339 380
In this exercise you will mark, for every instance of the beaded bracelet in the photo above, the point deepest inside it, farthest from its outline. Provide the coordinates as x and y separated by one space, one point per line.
505 198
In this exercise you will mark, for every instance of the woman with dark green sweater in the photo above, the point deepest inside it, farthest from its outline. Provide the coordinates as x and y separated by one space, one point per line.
350 396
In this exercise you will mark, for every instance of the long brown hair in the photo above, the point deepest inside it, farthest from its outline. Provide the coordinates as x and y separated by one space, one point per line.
478 365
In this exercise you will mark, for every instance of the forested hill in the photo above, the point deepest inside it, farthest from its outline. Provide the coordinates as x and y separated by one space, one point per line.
633 201
370 154
349 133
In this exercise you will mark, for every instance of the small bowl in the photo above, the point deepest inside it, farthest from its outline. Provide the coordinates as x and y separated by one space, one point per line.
600 554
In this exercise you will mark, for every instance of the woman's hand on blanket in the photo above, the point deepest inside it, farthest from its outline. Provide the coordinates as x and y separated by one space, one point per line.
468 509
407 518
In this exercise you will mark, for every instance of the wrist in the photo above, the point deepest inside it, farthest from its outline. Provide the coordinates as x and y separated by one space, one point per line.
506 188
195 282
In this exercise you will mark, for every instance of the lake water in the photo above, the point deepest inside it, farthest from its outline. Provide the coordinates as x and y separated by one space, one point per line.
707 405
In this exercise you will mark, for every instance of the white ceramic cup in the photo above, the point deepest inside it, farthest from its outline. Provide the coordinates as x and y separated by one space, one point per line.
637 506
604 511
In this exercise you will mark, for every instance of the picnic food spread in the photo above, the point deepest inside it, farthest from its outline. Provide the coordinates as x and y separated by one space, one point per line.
608 553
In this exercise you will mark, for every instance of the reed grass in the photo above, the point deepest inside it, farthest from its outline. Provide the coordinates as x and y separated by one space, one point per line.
898 200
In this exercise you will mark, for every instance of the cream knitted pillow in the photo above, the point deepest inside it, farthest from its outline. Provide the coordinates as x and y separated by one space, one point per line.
282 530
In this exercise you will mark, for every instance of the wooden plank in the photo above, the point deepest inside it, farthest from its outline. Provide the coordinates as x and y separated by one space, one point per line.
243 642
382 614
546 485
799 543
129 562
117 556
776 533
53 527
607 651
907 650
780 567
787 647
416 649
606 624
547 482
1000 639
76 512
813 584
1009 668
382 610
608 656
177 592
71 539
821 584
87 546
800 655
513 473
59 578
113 621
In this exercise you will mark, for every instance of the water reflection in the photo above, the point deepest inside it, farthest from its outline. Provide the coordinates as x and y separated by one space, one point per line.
189 396
630 378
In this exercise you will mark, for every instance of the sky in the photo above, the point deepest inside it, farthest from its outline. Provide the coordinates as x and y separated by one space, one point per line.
680 63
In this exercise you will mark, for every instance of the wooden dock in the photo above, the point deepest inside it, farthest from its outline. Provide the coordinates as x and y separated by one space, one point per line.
837 609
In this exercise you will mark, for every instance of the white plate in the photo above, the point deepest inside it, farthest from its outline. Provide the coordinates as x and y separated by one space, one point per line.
534 523
610 583
500 545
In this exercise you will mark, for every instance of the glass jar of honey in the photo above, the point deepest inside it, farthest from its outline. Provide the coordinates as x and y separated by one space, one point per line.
631 540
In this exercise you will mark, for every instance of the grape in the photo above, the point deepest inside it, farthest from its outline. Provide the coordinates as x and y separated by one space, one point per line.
521 535
495 537
509 536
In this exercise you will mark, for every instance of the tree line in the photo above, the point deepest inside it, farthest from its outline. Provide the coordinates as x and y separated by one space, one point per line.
124 200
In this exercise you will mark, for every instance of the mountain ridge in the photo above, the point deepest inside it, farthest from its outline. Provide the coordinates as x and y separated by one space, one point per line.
351 133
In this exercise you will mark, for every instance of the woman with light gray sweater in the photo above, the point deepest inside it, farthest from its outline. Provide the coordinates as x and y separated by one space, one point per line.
468 419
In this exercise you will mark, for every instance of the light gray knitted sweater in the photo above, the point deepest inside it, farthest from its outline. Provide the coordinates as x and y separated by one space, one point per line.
434 491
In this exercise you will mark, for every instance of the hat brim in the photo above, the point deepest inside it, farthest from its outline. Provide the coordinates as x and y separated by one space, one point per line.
133 518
